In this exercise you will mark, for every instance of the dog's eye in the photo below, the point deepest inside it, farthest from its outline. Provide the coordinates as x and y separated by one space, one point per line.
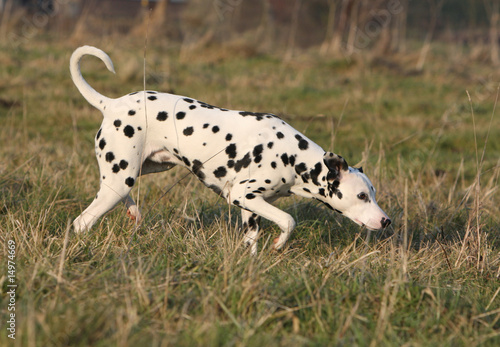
363 196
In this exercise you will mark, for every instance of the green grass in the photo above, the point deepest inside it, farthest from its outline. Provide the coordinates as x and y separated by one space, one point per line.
183 278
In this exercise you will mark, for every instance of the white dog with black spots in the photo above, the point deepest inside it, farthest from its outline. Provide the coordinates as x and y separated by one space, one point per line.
250 159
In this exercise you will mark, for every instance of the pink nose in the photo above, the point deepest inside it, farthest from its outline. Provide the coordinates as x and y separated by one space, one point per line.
385 222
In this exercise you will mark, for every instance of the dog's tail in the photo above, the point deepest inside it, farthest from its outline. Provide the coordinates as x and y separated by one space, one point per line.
93 97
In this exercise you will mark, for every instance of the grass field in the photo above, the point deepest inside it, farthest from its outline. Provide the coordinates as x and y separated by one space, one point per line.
182 278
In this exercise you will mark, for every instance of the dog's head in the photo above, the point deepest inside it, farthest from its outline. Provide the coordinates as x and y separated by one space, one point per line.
351 193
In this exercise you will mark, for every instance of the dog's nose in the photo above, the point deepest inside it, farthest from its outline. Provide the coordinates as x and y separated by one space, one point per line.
385 222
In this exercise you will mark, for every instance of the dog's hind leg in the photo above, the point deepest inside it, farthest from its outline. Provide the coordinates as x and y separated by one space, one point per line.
119 162
148 166
107 197
132 210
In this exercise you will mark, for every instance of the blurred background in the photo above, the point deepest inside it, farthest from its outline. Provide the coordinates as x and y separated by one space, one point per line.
376 28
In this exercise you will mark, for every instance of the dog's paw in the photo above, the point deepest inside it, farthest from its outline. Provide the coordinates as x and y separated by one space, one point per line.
134 214
79 226
278 243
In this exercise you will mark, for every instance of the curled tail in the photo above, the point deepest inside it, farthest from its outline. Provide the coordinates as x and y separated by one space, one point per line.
90 94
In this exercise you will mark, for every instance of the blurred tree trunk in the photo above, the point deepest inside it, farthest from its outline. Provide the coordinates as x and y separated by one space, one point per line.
472 15
152 22
353 26
492 7
392 18
337 35
435 9
200 22
266 29
330 28
5 20
384 42
79 31
377 23
293 30
400 28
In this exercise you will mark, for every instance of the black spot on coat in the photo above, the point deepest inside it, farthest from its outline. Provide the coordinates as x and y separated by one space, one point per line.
110 157
257 115
128 131
315 173
220 172
216 189
253 222
303 144
188 131
231 151
242 163
333 189
300 168
162 116
196 168
257 153
130 182
123 164
284 159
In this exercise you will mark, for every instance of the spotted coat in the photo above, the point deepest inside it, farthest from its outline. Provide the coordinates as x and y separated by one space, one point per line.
248 158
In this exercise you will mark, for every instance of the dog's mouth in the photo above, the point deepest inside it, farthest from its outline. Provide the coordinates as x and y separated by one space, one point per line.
361 224
358 222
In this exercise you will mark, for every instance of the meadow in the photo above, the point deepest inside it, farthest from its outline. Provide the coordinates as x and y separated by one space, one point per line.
428 140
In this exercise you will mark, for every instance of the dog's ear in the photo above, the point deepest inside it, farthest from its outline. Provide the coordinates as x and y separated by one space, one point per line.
335 164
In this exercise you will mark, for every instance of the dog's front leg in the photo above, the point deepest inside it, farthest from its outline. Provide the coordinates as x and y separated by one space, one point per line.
250 226
261 207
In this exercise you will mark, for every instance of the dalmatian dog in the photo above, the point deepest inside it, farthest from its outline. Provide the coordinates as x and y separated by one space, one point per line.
250 159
